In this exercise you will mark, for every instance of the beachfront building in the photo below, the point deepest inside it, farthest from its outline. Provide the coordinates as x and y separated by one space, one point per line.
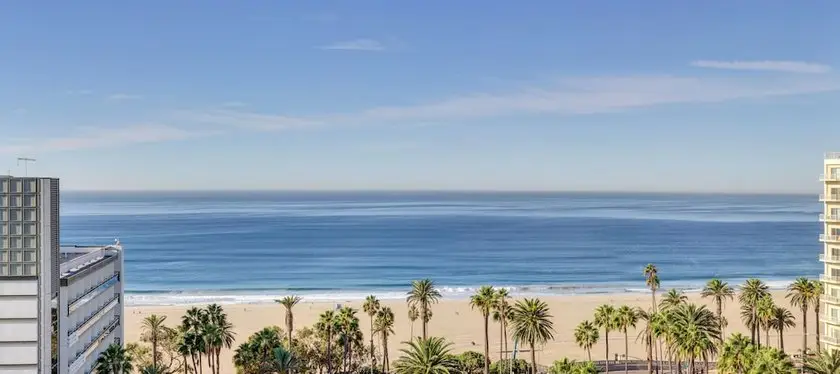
59 307
830 217
29 262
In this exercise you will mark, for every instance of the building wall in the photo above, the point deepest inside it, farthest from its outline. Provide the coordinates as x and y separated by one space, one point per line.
831 254
19 326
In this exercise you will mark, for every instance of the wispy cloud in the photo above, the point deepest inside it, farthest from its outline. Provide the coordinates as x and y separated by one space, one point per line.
234 104
78 92
89 137
574 96
781 66
368 45
123 97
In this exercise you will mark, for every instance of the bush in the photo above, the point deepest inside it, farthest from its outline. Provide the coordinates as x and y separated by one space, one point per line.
470 362
370 370
520 366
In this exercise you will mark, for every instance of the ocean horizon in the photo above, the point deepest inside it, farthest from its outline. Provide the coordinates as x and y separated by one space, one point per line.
191 247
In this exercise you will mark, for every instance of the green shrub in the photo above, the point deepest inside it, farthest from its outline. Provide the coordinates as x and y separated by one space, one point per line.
520 366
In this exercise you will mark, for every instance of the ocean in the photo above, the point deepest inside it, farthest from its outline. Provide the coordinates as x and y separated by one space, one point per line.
251 247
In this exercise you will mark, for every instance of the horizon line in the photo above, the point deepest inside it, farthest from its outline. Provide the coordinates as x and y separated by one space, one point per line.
476 191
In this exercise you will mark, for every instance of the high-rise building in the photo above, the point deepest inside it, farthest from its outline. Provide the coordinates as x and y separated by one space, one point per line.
59 306
830 197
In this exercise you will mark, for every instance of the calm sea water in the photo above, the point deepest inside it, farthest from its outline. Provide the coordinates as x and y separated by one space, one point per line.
237 247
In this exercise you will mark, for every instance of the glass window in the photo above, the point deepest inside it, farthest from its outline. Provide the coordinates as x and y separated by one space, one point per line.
4 269
16 201
29 229
4 229
30 201
29 256
4 201
14 214
16 243
4 215
15 269
31 242
30 186
15 229
30 215
16 186
29 269
4 186
17 256
4 256
5 243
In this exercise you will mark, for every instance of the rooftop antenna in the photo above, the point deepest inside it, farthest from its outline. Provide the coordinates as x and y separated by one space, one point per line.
26 162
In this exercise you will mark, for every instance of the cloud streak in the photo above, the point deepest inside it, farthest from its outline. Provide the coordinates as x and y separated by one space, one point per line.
779 66
89 137
123 97
366 45
576 96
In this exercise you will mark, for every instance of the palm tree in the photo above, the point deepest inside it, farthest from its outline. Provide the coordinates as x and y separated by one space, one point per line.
114 360
800 294
327 323
772 361
751 292
348 326
816 294
192 324
289 302
153 330
532 323
696 333
626 317
284 360
384 325
218 334
423 294
484 300
652 281
371 307
651 320
719 291
672 299
586 335
413 314
501 314
827 362
426 356
735 354
782 319
764 311
605 318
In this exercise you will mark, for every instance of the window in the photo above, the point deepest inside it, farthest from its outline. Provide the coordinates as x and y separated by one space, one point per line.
16 243
29 229
5 243
4 269
15 201
31 242
15 229
4 201
4 229
29 269
16 186
15 269
4 256
17 256
14 215
30 215
4 186
30 186
4 215
30 201
29 256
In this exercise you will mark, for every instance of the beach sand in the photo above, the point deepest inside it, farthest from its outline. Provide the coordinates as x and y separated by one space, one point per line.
454 320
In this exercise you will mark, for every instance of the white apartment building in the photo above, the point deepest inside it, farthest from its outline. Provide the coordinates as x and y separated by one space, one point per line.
830 197
72 292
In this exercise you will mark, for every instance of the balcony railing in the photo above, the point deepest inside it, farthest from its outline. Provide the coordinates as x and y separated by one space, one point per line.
829 197
832 156
830 319
825 258
829 278
830 340
829 217
829 178
830 299
829 238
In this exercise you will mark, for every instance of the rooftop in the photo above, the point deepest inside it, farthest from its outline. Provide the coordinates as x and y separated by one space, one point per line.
75 259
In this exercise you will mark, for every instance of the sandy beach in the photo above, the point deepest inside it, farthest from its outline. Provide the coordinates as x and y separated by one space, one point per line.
454 320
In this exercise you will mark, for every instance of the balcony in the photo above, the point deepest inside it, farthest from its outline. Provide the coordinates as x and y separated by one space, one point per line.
830 319
829 218
832 156
829 238
829 198
828 278
830 299
833 259
829 178
830 340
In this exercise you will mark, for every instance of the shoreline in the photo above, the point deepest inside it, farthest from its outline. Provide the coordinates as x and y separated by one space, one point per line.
456 321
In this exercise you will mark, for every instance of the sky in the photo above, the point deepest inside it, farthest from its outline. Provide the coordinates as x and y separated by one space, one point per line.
636 95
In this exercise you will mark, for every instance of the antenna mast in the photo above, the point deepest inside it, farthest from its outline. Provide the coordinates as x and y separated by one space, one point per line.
26 162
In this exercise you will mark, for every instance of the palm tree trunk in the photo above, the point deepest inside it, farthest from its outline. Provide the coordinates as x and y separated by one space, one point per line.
589 354
504 323
767 336
626 351
372 357
670 363
424 314
154 350
650 352
758 335
533 358
501 339
817 318
781 341
200 365
386 365
186 365
805 331
329 350
691 365
607 344
720 318
486 344
219 353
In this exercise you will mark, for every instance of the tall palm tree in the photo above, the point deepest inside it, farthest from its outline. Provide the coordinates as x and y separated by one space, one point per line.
800 294
626 317
696 333
114 360
423 294
816 294
371 307
153 330
586 336
605 318
782 319
532 324
764 312
652 281
426 356
327 323
218 333
289 302
413 314
484 300
827 362
719 291
384 325
501 314
751 292
348 326
672 299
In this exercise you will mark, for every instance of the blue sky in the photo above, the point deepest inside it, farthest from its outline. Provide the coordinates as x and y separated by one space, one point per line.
572 95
